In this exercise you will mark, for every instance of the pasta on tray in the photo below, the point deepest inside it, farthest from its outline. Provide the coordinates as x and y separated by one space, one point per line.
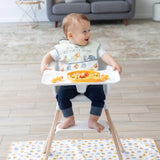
86 76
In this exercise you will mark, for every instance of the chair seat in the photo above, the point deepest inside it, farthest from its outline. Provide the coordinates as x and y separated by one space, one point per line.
80 98
82 126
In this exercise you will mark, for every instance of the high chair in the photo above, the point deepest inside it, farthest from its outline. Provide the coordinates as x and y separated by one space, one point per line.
80 124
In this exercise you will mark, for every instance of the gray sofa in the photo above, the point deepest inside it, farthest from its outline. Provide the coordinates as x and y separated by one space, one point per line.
94 9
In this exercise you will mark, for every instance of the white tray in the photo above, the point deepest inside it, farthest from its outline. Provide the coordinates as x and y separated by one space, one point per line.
50 74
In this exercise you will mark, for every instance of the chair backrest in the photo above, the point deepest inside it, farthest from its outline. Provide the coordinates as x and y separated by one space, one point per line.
102 65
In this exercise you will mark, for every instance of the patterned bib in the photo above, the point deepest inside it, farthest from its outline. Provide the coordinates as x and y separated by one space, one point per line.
74 57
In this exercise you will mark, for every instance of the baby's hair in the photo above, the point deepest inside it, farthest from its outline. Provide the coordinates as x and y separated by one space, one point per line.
71 19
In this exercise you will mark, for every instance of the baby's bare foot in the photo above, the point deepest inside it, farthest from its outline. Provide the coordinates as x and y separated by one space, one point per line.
93 124
69 121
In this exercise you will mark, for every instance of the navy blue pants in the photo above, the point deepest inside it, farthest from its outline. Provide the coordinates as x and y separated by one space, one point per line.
94 92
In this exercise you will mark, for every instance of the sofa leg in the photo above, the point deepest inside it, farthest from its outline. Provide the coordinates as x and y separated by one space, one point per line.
56 24
125 22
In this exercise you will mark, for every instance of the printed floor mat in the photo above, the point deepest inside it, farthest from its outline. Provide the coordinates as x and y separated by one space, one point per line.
84 149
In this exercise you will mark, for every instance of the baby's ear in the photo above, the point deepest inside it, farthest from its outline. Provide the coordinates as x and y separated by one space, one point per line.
69 35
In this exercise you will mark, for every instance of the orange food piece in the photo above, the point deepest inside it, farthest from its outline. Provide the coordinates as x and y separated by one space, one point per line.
57 79
104 77
86 76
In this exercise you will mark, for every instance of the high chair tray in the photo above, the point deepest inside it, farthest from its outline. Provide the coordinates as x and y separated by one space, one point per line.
48 75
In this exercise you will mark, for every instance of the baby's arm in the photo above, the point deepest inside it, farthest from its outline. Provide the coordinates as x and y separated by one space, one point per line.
108 59
47 59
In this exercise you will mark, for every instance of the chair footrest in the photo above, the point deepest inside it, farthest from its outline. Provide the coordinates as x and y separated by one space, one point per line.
83 126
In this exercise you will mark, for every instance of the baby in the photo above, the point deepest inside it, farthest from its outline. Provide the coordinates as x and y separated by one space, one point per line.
77 52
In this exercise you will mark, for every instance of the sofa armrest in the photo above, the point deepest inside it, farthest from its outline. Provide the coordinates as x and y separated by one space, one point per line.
49 5
132 6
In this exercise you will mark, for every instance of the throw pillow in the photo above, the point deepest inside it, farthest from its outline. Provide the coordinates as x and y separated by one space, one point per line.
59 1
69 1
102 0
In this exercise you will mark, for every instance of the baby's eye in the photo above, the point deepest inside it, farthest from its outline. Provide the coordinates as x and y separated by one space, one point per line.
84 31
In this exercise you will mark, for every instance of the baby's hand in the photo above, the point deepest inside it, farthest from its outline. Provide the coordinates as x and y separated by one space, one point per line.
117 67
44 67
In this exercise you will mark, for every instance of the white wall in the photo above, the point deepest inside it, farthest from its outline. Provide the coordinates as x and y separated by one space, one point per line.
10 12
144 8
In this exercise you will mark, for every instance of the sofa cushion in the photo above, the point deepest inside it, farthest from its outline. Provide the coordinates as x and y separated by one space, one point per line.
109 6
102 0
74 1
66 8
59 1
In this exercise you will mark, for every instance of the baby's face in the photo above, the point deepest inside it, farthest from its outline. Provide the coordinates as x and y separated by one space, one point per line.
80 33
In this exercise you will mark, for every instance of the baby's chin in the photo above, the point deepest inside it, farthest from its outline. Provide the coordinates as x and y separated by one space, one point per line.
82 43
85 43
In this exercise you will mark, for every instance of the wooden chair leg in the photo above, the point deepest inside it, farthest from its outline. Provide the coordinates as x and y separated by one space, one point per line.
116 139
120 144
56 24
125 22
51 135
60 116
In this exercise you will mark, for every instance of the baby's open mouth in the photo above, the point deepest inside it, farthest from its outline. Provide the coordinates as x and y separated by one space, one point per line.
86 40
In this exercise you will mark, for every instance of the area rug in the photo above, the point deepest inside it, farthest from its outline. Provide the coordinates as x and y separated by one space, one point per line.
95 149
137 41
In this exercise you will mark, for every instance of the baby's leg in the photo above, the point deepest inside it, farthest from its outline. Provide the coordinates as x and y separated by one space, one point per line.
65 93
96 94
69 121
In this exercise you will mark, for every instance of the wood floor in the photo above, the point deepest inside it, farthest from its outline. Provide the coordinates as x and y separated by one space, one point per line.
27 107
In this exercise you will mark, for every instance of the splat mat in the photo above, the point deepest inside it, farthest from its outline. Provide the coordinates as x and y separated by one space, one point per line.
95 149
